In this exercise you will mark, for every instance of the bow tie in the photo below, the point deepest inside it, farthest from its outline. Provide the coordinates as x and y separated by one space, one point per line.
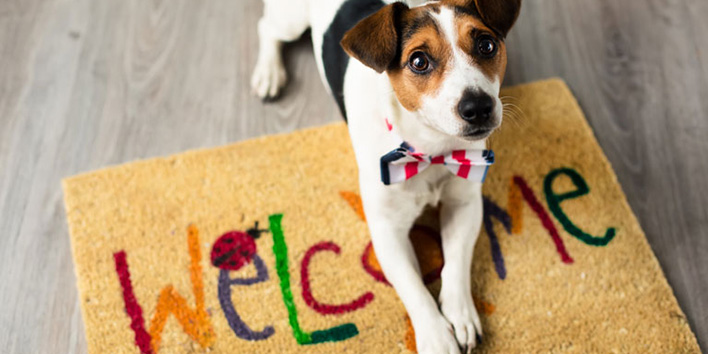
403 163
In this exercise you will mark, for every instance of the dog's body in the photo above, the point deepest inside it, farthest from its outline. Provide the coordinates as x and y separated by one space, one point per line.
451 105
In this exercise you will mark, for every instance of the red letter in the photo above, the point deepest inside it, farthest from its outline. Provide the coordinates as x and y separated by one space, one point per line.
326 309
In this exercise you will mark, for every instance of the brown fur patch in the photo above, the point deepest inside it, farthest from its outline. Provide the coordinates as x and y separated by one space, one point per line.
459 3
498 15
373 40
420 33
469 28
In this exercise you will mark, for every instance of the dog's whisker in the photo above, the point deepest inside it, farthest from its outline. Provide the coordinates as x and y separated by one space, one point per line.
514 114
508 99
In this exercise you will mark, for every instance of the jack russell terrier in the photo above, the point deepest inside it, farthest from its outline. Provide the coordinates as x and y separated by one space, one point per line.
420 99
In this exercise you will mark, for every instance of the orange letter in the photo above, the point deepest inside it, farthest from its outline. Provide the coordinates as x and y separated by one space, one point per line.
195 322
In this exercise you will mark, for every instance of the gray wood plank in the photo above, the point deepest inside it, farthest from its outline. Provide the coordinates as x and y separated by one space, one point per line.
86 83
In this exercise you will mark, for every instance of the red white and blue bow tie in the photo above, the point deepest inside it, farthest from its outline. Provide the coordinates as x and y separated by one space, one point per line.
403 163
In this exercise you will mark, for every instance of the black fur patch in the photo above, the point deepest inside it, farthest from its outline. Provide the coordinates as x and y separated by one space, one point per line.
334 58
421 21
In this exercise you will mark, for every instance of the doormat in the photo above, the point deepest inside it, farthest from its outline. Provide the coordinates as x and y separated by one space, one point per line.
262 247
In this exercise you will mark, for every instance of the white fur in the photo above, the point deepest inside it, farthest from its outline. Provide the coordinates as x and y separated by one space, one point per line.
451 322
440 110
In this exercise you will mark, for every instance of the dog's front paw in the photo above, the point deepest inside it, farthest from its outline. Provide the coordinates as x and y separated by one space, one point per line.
462 314
269 76
434 336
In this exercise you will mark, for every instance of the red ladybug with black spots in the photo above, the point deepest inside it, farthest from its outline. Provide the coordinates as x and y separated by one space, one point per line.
234 249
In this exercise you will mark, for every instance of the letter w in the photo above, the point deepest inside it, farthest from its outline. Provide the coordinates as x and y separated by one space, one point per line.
196 323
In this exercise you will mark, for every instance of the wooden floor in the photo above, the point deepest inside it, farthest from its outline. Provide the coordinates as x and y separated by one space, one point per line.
89 83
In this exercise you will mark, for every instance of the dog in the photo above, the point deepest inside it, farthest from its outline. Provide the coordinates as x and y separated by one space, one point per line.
410 79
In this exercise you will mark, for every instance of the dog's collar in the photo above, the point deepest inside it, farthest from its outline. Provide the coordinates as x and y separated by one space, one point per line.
404 162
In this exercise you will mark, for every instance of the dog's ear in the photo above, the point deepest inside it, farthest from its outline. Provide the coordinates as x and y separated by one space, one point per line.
500 15
374 40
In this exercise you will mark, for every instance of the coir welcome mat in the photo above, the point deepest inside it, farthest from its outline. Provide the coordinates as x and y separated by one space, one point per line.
262 247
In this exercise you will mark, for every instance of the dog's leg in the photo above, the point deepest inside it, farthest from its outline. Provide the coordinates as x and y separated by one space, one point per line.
282 21
390 222
460 221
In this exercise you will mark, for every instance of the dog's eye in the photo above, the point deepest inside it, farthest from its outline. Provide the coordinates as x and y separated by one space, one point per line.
419 63
486 46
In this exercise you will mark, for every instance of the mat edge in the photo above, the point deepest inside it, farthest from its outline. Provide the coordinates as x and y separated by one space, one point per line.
90 348
66 181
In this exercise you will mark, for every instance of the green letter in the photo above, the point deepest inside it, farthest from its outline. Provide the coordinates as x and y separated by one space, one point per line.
334 334
554 201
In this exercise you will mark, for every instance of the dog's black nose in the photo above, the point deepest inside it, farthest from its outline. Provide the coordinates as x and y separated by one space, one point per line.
475 107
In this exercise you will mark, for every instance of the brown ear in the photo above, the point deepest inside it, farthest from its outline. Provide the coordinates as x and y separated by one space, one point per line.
374 40
500 15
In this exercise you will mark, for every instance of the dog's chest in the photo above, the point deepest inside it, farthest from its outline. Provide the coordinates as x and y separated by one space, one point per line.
429 187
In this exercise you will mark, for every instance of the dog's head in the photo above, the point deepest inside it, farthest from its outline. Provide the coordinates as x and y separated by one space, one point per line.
445 59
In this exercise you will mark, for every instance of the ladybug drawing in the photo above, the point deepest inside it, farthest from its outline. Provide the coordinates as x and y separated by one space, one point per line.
234 249
231 251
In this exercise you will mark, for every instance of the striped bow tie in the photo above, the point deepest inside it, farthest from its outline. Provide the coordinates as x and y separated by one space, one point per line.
403 163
